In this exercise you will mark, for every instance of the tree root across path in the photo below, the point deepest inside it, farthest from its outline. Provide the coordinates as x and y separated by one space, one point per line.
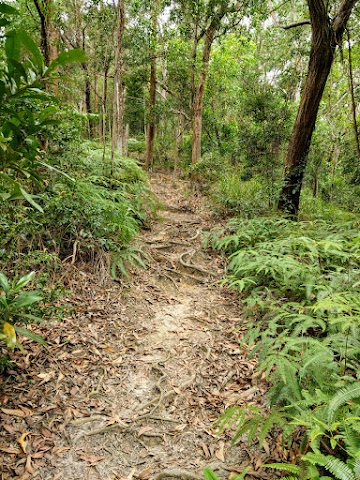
179 474
137 375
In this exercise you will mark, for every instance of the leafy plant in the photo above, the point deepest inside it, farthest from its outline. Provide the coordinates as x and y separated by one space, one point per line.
299 288
27 111
15 303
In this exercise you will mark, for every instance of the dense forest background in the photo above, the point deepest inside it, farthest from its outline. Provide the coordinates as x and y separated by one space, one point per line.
257 104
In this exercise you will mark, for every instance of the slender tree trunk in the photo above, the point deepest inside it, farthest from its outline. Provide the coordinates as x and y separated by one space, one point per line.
150 131
96 104
193 70
48 34
178 142
118 98
352 94
199 97
325 37
150 138
103 105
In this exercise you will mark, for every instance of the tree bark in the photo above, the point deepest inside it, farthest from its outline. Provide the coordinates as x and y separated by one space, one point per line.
150 131
103 104
352 94
150 137
199 97
118 98
209 35
326 36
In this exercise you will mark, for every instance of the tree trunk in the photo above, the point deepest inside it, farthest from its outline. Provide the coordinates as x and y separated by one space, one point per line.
352 94
325 37
150 137
118 98
150 131
103 105
178 142
199 97
193 69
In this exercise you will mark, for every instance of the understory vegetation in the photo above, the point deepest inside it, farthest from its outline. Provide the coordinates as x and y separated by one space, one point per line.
299 285
95 94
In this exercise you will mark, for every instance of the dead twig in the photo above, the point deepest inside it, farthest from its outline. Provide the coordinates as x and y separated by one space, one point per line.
227 379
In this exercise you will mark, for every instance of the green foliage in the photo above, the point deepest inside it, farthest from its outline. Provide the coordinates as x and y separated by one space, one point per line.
15 305
136 145
27 111
116 206
299 287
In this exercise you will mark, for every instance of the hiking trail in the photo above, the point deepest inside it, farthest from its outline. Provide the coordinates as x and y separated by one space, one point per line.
131 384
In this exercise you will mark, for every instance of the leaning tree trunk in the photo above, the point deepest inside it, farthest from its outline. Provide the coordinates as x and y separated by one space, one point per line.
326 36
199 98
321 59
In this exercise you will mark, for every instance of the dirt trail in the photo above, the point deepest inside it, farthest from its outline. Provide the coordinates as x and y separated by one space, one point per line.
131 384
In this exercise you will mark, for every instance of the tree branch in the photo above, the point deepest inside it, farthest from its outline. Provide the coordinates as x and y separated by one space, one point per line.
341 18
295 24
276 20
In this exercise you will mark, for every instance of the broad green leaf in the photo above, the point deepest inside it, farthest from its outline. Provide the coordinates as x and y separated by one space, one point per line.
30 199
26 299
12 46
4 282
69 56
30 45
23 281
47 112
29 334
209 474
7 9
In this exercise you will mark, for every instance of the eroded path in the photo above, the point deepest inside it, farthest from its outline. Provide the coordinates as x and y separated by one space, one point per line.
130 384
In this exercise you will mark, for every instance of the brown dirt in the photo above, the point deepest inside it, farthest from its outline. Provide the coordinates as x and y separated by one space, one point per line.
130 385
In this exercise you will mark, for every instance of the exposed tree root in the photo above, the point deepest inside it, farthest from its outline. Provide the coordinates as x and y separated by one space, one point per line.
181 474
192 265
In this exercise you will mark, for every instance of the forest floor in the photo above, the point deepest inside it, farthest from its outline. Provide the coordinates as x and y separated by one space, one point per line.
131 383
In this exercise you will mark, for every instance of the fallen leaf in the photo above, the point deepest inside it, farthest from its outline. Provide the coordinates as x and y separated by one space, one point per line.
27 411
266 447
28 466
93 459
9 428
220 452
10 450
22 442
205 449
117 361
10 335
146 473
16 413
60 450
46 377
144 430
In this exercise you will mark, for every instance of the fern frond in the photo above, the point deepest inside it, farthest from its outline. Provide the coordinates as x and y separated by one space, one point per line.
343 396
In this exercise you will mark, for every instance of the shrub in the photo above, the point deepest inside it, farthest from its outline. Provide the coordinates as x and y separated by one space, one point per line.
299 287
